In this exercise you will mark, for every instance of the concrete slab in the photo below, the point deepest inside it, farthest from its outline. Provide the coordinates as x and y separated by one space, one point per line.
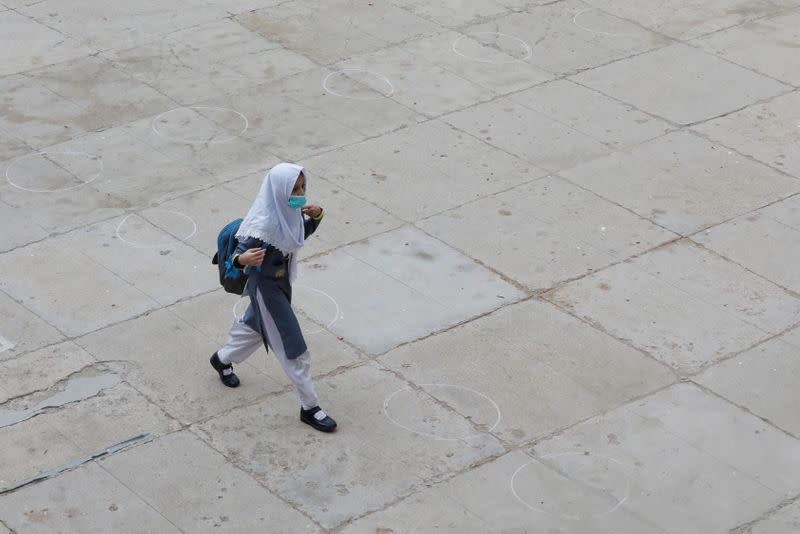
497 64
283 126
717 281
30 447
423 170
223 39
105 503
358 99
197 490
19 229
575 232
179 70
578 371
108 96
482 500
429 286
592 113
236 7
339 477
678 81
168 361
22 329
41 369
152 259
560 46
12 146
61 435
528 134
784 521
786 211
768 450
201 62
196 219
675 182
685 306
60 211
9 4
27 44
454 14
759 243
66 186
521 5
425 87
111 161
273 64
77 307
186 136
113 416
211 314
135 172
792 336
694 462
122 26
338 39
768 132
36 115
685 19
764 45
343 28
77 387
761 380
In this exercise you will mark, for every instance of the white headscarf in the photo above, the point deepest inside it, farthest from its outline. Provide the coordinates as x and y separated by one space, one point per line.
270 218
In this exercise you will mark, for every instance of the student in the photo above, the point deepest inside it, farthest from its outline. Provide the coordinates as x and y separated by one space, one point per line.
269 238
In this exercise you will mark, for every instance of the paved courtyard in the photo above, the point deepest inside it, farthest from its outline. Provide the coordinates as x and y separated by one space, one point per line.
556 289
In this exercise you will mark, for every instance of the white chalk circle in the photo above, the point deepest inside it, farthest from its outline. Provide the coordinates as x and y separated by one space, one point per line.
572 485
410 409
53 171
329 303
240 306
492 47
139 232
200 125
585 22
358 84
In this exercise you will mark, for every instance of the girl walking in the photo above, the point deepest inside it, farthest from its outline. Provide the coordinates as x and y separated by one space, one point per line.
269 238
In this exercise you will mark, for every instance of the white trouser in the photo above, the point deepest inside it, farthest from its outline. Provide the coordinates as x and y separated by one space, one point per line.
244 341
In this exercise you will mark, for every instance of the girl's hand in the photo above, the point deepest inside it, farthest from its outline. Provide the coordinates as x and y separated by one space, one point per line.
312 210
252 257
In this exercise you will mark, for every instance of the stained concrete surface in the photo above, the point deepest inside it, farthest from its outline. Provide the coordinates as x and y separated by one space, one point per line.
555 289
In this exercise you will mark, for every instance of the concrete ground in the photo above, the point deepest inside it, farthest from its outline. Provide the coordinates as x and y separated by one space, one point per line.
556 289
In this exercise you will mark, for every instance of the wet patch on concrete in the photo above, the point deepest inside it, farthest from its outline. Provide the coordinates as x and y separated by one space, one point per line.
76 389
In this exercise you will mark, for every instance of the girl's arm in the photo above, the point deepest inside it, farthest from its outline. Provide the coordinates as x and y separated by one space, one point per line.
311 222
247 244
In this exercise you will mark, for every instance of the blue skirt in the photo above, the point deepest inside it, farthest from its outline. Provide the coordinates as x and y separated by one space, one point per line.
276 296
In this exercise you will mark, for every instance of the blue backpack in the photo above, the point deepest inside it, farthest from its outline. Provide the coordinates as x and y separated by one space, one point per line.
231 278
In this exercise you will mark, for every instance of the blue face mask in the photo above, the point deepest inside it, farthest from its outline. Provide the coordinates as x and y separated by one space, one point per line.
297 202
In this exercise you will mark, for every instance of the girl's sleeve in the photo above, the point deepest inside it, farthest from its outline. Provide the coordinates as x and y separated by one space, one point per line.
250 242
312 223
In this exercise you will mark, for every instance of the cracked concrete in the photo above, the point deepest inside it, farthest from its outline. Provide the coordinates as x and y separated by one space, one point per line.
555 289
75 390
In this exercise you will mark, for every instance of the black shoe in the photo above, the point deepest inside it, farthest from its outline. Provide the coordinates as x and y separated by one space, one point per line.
317 418
225 372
